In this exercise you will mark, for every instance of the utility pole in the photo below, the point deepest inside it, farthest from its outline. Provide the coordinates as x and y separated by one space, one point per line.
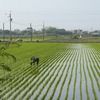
43 30
10 25
3 31
31 30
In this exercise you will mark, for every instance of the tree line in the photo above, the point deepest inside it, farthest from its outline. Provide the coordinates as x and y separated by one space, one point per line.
48 31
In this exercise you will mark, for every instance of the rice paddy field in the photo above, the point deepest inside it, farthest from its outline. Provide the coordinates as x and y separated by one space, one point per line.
66 71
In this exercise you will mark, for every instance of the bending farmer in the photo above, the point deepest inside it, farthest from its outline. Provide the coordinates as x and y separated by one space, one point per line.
33 60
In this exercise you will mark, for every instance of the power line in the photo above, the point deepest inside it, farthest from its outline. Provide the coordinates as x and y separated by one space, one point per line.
17 23
22 24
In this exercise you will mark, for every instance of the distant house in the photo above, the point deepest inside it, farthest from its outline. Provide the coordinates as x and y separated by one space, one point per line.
95 33
80 36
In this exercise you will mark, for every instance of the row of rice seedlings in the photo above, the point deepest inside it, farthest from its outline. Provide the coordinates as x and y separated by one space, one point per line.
72 62
94 60
52 82
23 85
29 95
81 66
81 69
89 79
47 81
44 95
55 86
39 78
5 82
45 78
26 85
45 84
96 55
86 80
87 92
97 52
94 92
69 55
11 86
94 75
33 78
23 61
68 58
61 88
23 74
57 82
76 67
12 78
92 68
8 82
18 83
92 57
97 59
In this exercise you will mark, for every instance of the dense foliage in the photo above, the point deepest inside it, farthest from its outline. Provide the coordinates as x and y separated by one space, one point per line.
48 31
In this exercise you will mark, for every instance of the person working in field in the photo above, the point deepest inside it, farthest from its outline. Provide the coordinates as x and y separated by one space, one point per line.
33 60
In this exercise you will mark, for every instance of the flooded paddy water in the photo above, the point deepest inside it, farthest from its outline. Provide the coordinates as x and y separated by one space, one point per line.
73 74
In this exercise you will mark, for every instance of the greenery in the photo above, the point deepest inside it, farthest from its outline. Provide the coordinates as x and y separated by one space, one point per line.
65 71
7 56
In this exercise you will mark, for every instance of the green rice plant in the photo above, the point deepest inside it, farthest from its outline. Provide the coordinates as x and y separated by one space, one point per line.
49 88
46 81
58 98
88 97
58 81
96 58
94 92
47 92
70 77
93 58
75 77
14 86
87 92
97 81
66 70
51 83
81 81
35 83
